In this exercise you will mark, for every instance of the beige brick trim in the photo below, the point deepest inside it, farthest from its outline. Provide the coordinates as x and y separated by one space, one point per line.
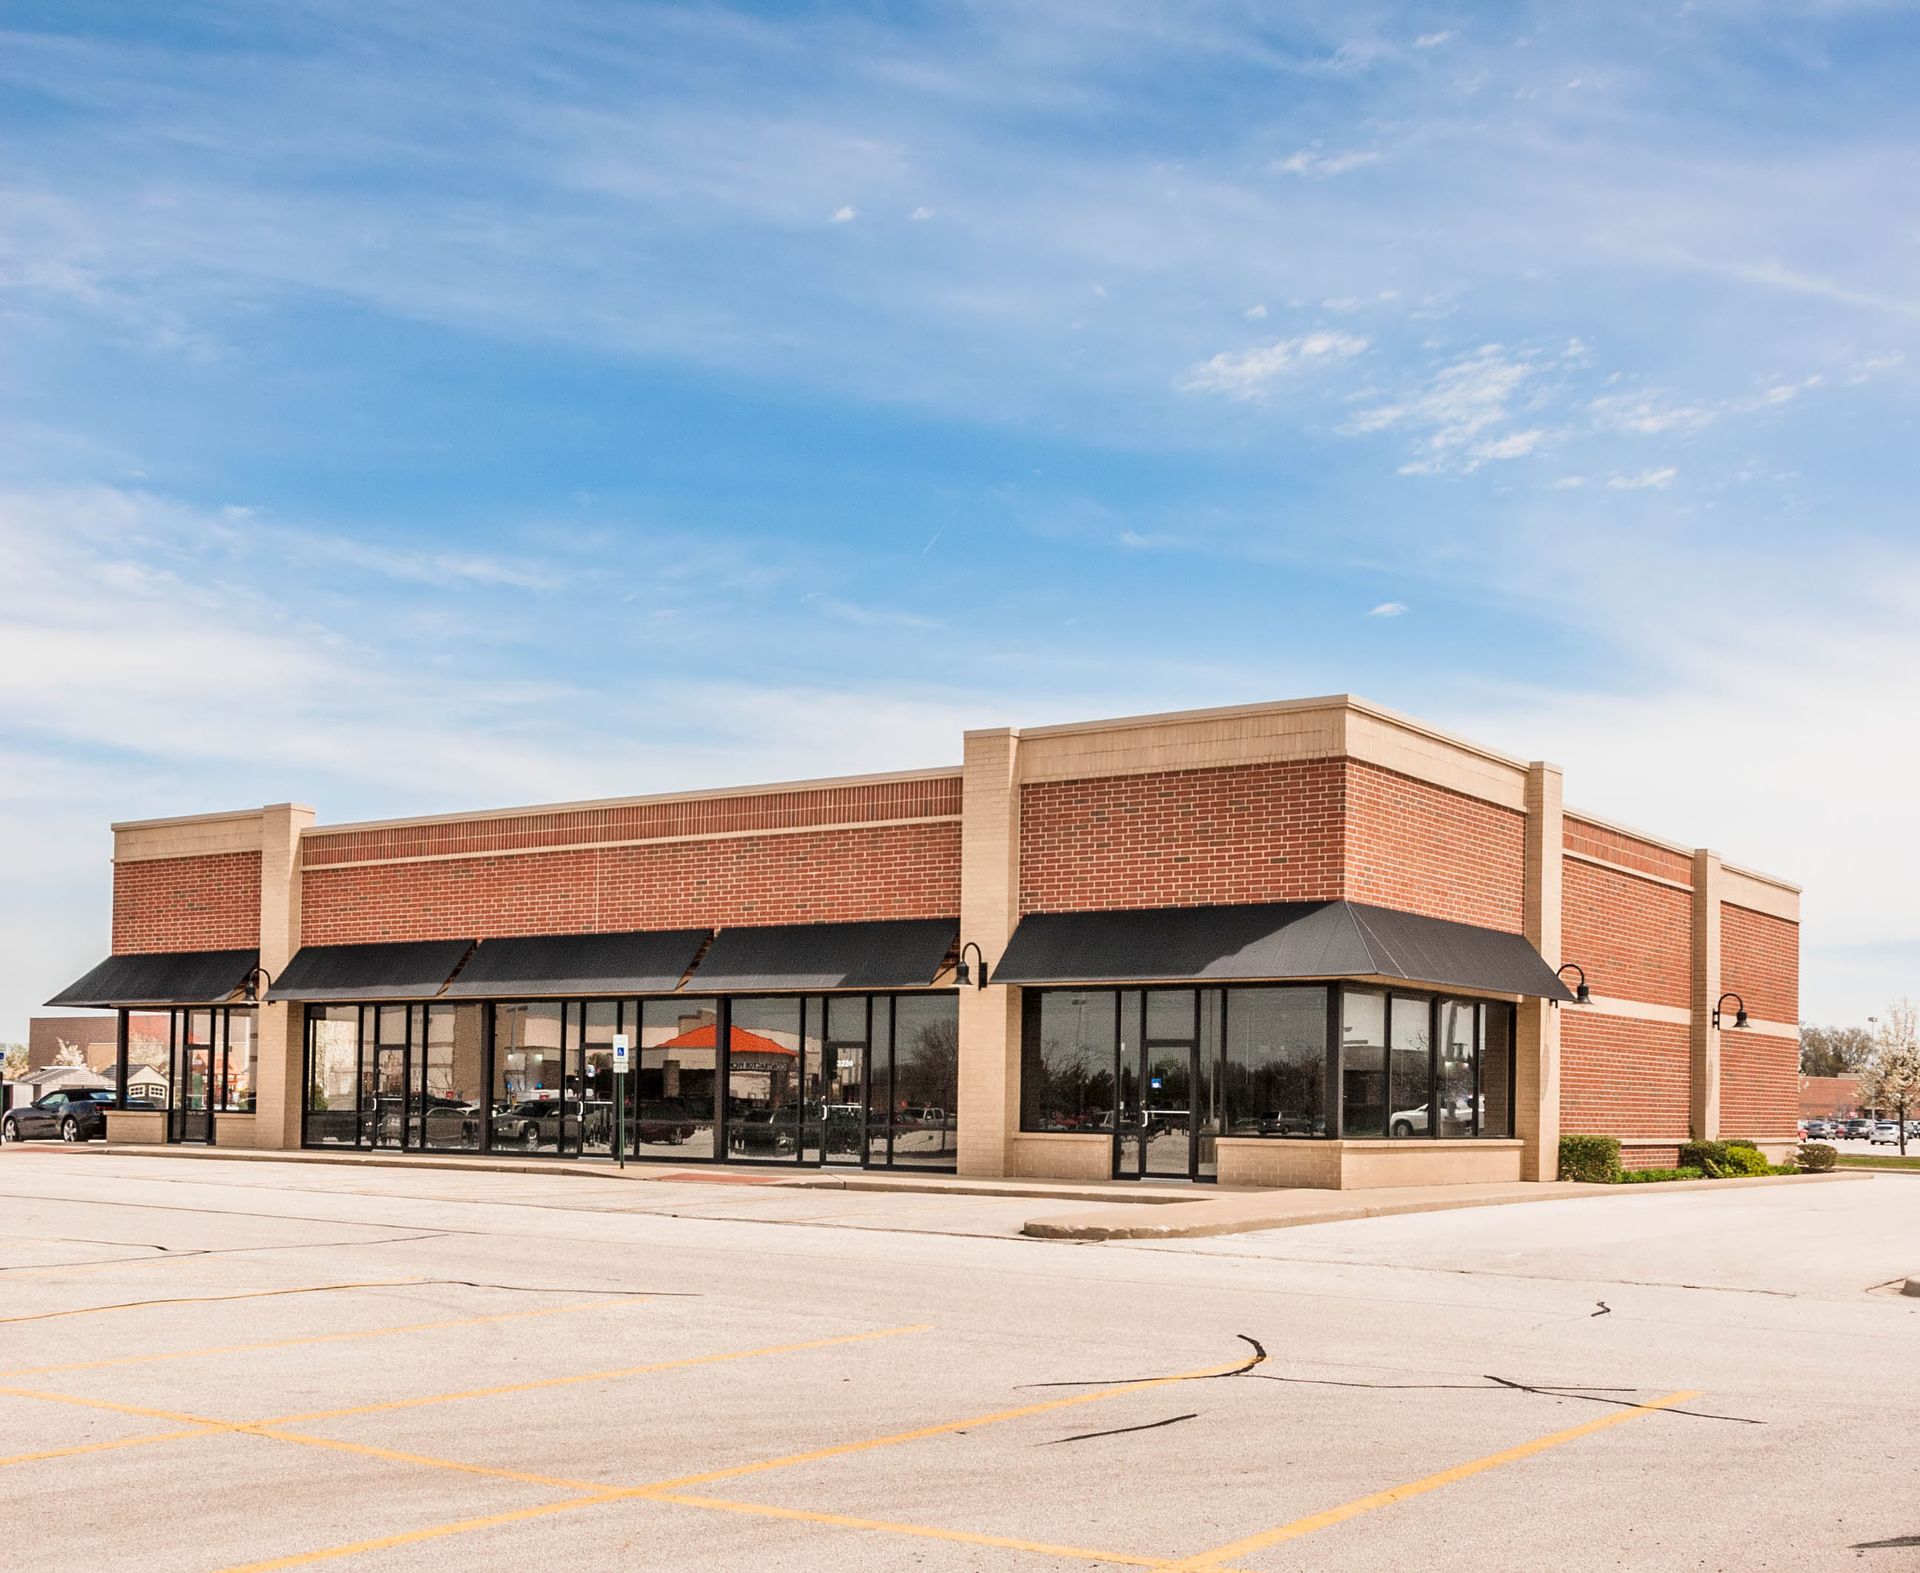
1621 868
1635 1010
636 841
202 835
1771 898
1756 1028
588 805
1708 883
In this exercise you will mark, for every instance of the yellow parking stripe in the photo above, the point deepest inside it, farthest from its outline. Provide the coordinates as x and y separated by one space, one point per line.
617 1373
296 1343
413 1537
1220 1555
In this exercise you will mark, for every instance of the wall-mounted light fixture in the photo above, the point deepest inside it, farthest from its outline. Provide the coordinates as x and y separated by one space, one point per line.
1582 995
251 988
963 974
1740 1011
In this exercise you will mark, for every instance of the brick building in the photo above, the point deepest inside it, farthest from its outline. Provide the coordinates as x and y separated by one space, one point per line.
1312 942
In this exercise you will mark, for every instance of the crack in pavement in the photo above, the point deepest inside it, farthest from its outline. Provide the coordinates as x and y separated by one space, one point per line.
1259 1354
1088 1436
378 1283
174 1253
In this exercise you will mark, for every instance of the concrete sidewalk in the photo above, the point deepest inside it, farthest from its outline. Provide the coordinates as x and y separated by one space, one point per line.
1112 1210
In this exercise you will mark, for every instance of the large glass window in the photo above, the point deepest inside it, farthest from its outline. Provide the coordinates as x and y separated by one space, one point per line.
1275 1079
452 1095
1496 1068
1363 1063
529 1106
1410 1066
677 1091
765 1091
1454 1070
333 1075
1067 1063
601 1019
925 1078
236 1081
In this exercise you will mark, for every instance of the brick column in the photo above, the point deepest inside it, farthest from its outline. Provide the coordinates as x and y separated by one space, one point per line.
1703 1040
989 907
278 1046
1537 1039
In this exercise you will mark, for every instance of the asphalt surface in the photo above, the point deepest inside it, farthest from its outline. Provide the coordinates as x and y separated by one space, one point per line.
219 1366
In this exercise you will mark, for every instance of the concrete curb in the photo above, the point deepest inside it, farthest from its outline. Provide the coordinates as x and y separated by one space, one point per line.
1245 1213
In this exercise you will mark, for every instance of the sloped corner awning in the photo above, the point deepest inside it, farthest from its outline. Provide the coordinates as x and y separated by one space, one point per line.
902 953
649 962
180 977
408 969
1273 942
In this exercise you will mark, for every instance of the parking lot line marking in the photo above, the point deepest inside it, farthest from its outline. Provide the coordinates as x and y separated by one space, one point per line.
589 1376
411 1537
105 1403
919 1433
103 1447
918 1531
394 1455
1220 1555
786 1461
295 1343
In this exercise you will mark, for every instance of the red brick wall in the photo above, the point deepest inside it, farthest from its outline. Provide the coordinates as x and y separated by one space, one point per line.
871 802
1760 961
1616 846
1759 1076
1424 849
1759 1085
1620 1077
1266 832
889 871
209 902
1634 938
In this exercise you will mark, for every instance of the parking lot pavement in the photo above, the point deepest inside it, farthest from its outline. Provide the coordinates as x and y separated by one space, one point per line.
223 1366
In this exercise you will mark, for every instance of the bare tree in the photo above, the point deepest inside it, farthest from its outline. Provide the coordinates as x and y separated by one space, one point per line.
1892 1080
1834 1051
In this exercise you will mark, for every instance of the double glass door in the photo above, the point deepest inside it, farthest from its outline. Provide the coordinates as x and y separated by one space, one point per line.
1167 1118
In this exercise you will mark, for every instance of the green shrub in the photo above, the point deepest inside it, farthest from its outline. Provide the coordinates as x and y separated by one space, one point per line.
1743 1141
1595 1159
1815 1158
1655 1176
1725 1160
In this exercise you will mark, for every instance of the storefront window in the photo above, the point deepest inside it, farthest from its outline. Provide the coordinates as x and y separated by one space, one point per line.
765 1091
677 1092
1496 1069
1068 1052
601 1019
1275 1079
1410 1066
333 1075
237 1092
925 1078
454 1085
1454 1072
529 1106
1363 1063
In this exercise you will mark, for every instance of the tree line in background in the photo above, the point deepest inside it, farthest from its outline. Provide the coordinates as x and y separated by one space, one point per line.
1885 1056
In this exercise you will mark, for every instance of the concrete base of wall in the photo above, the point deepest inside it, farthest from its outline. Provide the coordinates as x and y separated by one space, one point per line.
1366 1165
147 1127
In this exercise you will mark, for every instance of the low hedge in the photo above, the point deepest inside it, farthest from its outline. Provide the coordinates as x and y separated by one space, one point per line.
1656 1176
1594 1159
1728 1160
1815 1157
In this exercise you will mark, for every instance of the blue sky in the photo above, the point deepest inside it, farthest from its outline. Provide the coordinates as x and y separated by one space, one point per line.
425 406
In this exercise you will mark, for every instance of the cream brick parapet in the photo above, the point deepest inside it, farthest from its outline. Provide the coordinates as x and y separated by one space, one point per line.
192 835
1759 893
1335 726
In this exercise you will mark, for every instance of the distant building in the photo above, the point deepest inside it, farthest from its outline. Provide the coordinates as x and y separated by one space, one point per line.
1829 1097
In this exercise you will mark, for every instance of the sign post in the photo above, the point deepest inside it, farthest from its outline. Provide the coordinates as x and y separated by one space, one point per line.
621 1055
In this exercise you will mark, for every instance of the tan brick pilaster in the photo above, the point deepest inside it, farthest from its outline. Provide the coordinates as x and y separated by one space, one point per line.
989 907
1704 1041
278 1045
1537 1041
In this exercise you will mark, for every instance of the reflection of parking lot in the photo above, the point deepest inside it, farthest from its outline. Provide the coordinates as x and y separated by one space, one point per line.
292 1366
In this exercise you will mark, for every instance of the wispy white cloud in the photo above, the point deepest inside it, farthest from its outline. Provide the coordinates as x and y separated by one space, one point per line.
1388 609
1316 164
1455 419
1246 374
1643 480
845 215
1432 40
1648 414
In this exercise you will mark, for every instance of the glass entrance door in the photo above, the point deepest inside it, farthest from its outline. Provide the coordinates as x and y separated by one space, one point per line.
193 1085
388 1124
843 1079
1162 1096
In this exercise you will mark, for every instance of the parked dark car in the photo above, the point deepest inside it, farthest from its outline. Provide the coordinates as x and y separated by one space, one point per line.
764 1132
534 1125
664 1123
76 1115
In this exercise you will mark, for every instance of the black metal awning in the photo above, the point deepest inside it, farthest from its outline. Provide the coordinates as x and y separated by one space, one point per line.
1273 942
903 953
408 969
175 977
648 962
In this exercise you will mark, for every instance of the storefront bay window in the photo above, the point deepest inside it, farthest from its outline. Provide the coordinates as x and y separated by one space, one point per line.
1266 1060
